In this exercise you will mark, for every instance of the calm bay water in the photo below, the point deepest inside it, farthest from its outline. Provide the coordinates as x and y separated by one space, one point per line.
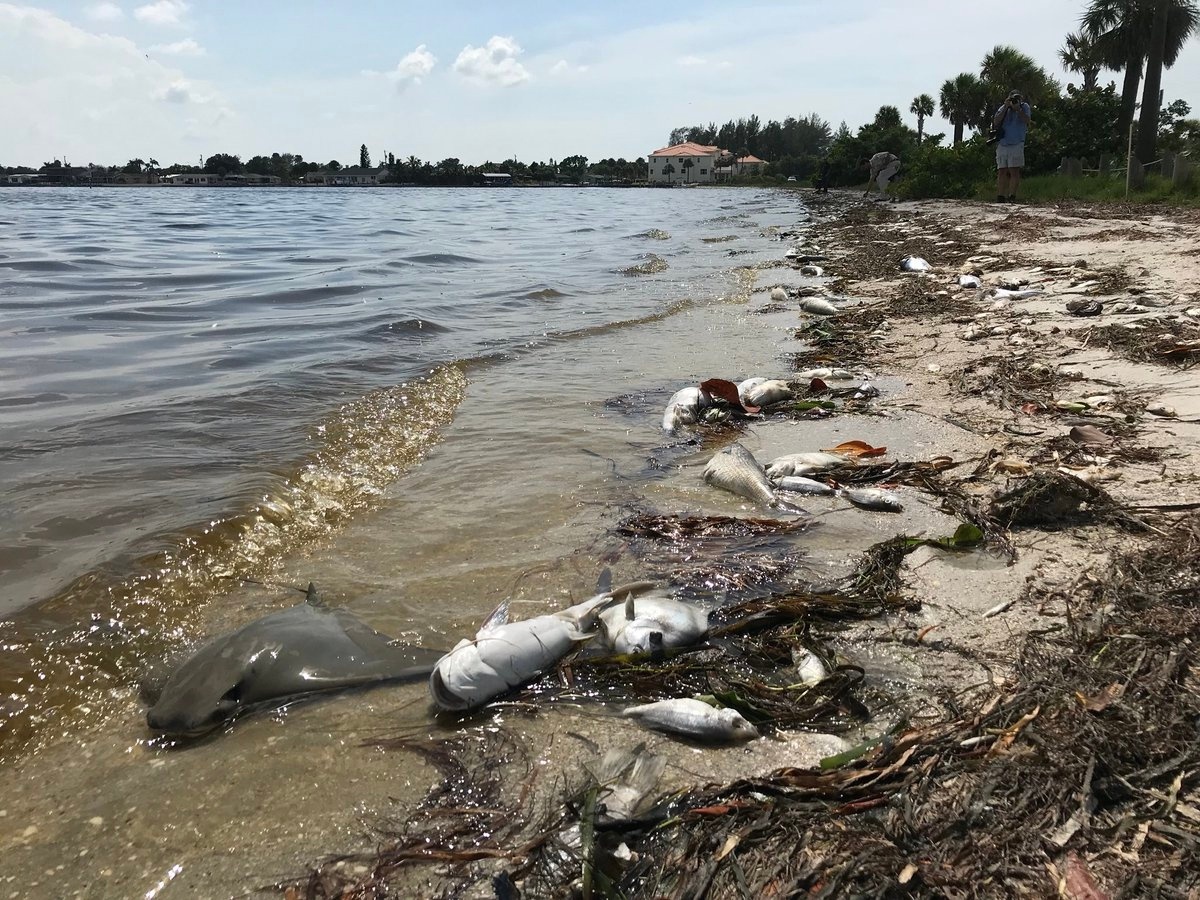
196 383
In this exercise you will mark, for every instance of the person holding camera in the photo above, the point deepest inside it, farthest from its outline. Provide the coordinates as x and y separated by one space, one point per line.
1010 124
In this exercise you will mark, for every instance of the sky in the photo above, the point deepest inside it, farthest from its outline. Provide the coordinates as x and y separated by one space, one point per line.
106 81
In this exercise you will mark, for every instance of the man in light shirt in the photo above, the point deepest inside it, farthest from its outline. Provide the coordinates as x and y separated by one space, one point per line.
884 167
1012 118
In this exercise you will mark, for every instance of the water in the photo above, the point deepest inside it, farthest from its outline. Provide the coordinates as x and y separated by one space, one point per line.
195 384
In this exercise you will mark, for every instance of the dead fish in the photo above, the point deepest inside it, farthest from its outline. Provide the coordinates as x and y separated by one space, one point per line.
812 271
505 655
914 264
873 499
818 306
1006 294
735 469
684 408
798 484
648 624
778 295
809 667
826 374
793 463
627 779
969 281
695 719
747 385
765 392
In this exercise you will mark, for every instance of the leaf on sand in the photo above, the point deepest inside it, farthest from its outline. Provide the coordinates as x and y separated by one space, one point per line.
857 449
1078 883
1090 435
965 537
817 386
1010 734
731 843
1103 699
805 405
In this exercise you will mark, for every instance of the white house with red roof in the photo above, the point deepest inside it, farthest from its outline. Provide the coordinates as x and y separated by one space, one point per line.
688 163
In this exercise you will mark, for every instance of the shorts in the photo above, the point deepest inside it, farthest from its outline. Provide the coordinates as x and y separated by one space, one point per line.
1010 156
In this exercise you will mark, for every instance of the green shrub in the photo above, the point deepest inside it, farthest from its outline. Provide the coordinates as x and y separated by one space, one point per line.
956 172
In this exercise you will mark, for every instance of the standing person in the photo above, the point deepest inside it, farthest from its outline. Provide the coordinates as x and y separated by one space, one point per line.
823 177
884 167
1012 120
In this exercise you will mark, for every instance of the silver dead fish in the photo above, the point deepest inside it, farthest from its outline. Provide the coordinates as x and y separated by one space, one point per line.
695 719
1023 294
804 463
969 281
827 374
812 271
649 623
765 392
873 499
778 295
798 484
914 264
504 655
684 408
735 469
809 667
818 306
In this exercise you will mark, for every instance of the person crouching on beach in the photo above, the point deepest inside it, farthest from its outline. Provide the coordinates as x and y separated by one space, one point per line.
1012 121
884 167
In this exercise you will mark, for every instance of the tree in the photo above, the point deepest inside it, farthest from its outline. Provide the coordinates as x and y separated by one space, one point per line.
1122 30
678 135
573 167
1147 134
133 167
1080 55
963 100
333 165
1006 68
364 158
687 165
922 106
223 164
669 170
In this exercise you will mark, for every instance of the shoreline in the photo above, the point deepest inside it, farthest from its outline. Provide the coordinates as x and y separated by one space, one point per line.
1018 714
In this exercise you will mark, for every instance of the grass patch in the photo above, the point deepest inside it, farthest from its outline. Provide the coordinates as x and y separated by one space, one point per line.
1053 188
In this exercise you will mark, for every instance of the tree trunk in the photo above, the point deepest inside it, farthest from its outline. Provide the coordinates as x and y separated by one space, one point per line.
958 130
1147 136
1129 89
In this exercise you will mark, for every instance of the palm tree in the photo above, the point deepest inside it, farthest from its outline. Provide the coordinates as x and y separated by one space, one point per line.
922 106
963 100
687 169
1080 55
1122 31
1007 68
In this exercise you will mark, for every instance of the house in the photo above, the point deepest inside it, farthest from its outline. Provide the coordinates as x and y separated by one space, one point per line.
195 179
687 163
496 179
20 178
349 176
743 165
251 179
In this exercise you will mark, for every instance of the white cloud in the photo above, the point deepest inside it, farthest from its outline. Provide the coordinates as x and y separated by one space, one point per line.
186 47
105 12
493 63
690 61
413 67
562 67
164 12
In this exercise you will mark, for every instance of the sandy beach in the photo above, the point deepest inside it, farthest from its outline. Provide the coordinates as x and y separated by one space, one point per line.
1030 704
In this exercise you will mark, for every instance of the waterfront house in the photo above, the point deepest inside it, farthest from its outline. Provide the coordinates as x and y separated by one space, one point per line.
687 163
743 165
194 179
350 176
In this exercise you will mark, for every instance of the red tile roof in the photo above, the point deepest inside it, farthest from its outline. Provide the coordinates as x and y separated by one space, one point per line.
689 149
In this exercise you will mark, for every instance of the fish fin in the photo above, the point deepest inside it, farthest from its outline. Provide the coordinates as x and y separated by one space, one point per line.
496 618
788 506
310 596
630 612
633 589
604 582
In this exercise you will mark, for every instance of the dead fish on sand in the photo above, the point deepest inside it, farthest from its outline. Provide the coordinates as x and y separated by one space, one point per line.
627 779
826 374
735 469
805 463
809 667
818 306
648 624
798 484
812 271
694 719
1006 294
505 655
764 392
778 295
874 499
914 264
969 281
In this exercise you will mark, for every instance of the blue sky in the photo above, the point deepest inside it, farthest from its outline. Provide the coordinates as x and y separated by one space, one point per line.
173 80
